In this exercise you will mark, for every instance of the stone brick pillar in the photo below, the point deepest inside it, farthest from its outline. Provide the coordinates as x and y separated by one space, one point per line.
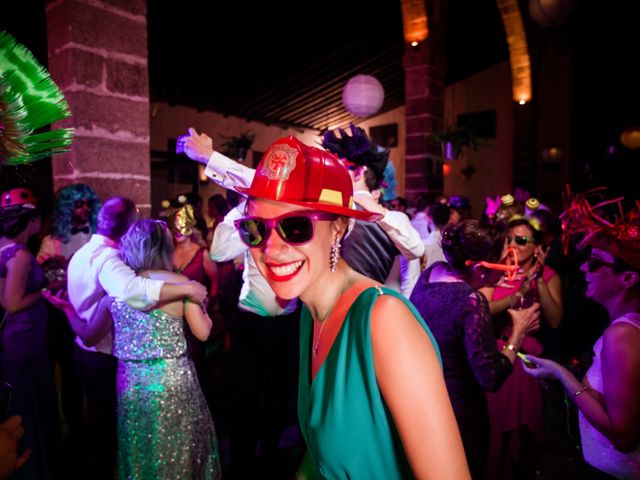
98 57
424 69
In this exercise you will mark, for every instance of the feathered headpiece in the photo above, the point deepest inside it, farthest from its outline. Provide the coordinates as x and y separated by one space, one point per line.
620 236
357 149
29 100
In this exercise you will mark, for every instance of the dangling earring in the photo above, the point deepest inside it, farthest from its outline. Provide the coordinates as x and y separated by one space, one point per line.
335 254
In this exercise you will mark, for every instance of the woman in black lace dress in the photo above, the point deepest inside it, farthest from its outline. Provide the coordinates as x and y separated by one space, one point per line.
458 315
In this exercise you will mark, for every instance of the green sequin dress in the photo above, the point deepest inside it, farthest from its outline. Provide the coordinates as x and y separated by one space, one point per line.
165 430
344 419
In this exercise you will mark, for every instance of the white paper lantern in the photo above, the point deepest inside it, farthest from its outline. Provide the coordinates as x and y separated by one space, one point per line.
363 95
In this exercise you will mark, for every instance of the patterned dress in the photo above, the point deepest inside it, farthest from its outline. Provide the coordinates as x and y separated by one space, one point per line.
165 430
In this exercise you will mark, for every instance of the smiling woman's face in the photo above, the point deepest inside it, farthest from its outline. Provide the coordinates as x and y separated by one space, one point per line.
291 270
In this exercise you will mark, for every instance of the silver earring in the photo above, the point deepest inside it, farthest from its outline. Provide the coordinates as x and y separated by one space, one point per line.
335 254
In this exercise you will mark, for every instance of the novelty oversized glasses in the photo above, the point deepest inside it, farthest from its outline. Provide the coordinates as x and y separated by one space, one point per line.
295 228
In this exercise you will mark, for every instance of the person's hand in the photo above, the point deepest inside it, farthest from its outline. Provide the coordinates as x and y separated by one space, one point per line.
11 432
368 203
198 146
197 293
537 266
526 320
59 300
542 368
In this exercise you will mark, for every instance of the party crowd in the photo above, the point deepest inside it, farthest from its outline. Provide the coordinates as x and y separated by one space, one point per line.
306 312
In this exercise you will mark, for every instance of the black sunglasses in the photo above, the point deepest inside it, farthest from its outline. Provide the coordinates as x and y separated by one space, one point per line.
595 263
295 228
519 239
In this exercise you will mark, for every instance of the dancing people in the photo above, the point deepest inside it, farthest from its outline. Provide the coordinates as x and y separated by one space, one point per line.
165 429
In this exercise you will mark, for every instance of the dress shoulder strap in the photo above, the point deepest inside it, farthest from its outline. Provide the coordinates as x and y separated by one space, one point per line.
632 318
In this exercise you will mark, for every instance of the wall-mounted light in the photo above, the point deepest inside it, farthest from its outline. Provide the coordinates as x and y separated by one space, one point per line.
630 138
518 50
414 21
553 153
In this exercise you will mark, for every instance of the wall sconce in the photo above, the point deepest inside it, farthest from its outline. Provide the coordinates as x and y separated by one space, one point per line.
630 138
552 154
414 21
518 50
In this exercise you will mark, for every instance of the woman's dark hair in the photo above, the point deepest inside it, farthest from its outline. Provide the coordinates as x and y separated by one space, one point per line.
536 234
472 240
14 220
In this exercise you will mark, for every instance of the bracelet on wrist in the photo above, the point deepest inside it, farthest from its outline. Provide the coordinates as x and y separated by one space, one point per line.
585 388
510 346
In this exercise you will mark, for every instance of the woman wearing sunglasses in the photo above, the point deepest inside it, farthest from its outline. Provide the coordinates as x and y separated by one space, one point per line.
608 399
372 401
516 409
458 314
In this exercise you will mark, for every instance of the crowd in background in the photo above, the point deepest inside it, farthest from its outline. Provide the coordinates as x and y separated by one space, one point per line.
489 285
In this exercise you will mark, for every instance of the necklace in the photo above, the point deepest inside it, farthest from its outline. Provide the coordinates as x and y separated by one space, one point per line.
323 320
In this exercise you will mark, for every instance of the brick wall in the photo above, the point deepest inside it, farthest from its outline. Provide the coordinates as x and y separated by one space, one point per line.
98 57
424 69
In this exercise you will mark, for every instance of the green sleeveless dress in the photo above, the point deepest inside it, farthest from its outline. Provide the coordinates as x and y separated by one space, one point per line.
345 422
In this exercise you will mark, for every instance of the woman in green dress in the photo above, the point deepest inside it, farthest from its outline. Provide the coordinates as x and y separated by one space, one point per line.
372 399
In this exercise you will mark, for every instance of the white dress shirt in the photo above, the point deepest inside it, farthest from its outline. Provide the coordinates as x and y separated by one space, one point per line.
433 248
423 224
404 275
97 268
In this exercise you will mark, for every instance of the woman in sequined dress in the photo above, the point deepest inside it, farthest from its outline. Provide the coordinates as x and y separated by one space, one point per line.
165 430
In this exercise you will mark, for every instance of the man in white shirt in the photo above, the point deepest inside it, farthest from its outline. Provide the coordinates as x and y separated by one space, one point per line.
94 271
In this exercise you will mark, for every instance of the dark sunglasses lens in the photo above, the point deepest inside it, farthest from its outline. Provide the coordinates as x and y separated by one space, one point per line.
594 264
296 229
521 240
252 232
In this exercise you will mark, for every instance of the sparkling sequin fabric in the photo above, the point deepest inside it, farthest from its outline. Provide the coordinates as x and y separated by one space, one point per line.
165 430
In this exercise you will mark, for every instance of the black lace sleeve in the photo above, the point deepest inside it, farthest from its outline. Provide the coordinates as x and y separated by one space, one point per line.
490 367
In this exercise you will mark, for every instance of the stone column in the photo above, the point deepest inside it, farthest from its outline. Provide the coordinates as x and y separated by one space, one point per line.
424 70
98 57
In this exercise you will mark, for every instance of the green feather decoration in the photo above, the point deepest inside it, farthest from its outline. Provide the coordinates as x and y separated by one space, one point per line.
29 101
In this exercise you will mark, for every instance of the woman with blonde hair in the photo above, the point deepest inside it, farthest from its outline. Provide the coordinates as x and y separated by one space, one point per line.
165 429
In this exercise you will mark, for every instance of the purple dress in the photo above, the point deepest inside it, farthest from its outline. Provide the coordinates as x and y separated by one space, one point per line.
459 319
24 363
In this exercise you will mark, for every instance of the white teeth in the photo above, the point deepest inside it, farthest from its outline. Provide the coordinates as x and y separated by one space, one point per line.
286 269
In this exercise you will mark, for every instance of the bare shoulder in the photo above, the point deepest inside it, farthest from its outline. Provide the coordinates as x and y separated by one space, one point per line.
21 256
622 333
391 316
